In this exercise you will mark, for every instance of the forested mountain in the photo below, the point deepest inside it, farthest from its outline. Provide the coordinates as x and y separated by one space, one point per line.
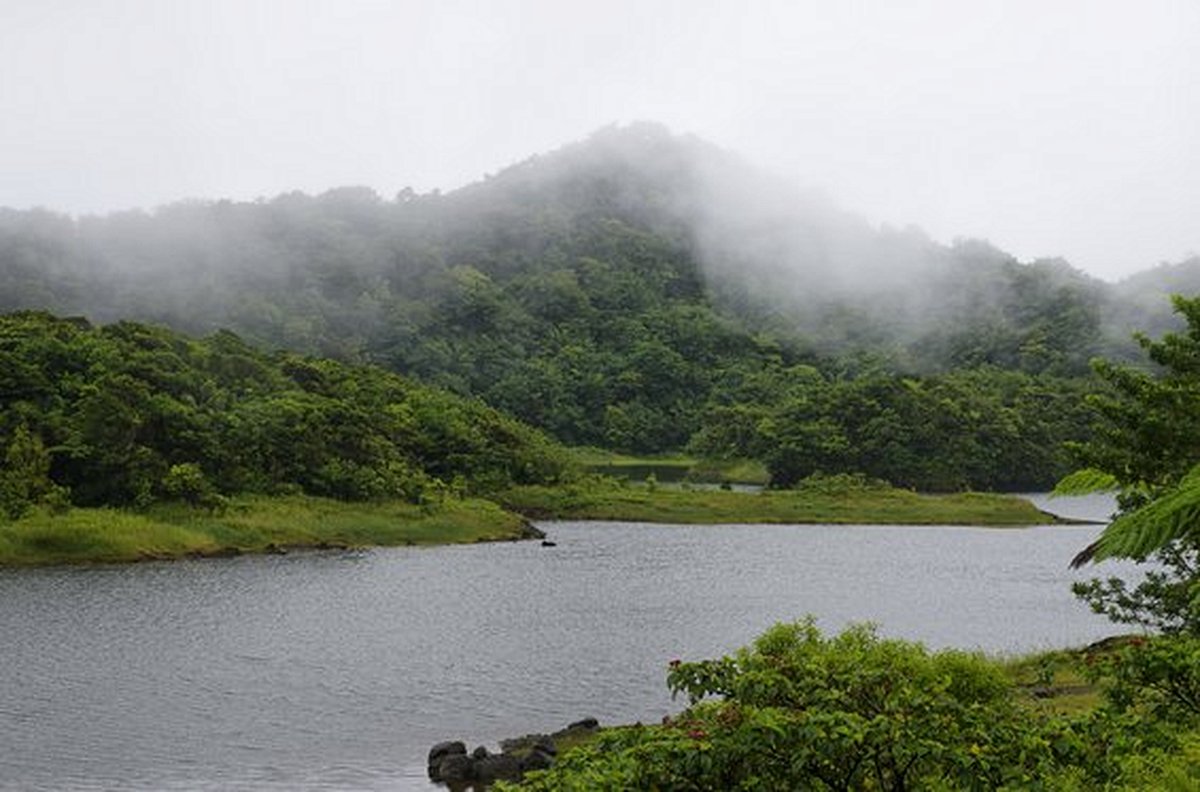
622 291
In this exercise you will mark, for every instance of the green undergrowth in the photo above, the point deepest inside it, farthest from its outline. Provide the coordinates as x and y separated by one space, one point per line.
855 711
836 502
250 524
1054 682
1057 682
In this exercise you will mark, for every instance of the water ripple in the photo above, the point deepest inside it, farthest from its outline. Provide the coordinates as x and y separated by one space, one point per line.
322 671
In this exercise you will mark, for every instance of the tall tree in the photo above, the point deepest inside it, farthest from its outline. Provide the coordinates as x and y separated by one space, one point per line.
1149 453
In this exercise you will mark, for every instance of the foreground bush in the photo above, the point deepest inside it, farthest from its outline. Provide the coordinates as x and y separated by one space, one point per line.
798 710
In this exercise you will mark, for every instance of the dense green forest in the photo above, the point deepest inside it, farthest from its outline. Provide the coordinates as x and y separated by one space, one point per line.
126 414
635 291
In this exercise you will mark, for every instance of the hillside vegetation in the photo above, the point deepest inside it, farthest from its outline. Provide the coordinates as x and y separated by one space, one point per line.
127 415
636 291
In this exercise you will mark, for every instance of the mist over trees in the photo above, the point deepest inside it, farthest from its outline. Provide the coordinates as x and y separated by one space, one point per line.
625 291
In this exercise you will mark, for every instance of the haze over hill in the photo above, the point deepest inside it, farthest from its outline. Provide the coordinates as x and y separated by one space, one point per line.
774 257
625 291
1050 129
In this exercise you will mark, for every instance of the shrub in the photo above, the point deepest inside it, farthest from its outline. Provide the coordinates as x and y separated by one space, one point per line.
799 710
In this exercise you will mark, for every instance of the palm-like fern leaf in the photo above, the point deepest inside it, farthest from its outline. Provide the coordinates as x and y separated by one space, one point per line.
1139 533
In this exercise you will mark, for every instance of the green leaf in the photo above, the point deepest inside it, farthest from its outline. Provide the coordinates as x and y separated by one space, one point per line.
1142 531
1085 482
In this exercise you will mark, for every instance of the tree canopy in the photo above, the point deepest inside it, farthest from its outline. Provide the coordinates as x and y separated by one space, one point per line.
1147 449
128 413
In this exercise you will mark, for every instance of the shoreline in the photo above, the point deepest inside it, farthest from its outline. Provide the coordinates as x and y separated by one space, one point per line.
250 525
868 505
256 524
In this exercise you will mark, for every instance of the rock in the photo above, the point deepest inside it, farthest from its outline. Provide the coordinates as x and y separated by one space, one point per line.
537 760
456 767
517 744
525 744
490 768
449 761
439 753
445 749
548 543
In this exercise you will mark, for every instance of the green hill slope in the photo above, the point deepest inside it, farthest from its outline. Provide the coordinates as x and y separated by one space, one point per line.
623 292
129 414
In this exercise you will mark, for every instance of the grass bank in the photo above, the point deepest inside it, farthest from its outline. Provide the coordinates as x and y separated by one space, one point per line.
870 504
672 468
251 524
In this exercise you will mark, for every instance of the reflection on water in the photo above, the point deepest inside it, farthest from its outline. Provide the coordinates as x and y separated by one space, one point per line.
339 670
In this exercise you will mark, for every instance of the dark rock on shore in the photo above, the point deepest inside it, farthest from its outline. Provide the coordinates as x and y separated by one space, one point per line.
450 763
443 759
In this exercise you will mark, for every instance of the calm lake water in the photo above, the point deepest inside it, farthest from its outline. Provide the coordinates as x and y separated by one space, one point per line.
318 671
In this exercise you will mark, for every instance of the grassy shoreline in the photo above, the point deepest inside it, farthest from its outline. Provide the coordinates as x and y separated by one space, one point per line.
839 506
265 524
251 524
675 467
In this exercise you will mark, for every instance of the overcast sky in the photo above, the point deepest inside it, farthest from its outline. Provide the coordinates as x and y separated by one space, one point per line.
1052 128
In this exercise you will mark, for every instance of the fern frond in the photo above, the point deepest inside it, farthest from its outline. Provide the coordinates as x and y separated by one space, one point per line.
1085 482
1142 531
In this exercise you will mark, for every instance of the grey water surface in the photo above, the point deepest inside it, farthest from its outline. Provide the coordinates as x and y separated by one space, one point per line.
323 671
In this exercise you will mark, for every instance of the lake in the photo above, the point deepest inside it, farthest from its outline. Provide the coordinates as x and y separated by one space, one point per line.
321 671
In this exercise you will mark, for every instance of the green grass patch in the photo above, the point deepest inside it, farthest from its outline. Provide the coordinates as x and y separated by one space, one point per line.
672 467
729 471
638 469
862 505
251 524
1056 681
599 457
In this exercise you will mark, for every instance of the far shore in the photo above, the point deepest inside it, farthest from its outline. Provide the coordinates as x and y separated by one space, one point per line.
275 524
865 505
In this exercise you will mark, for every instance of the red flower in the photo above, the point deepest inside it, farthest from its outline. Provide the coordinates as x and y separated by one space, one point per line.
697 734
